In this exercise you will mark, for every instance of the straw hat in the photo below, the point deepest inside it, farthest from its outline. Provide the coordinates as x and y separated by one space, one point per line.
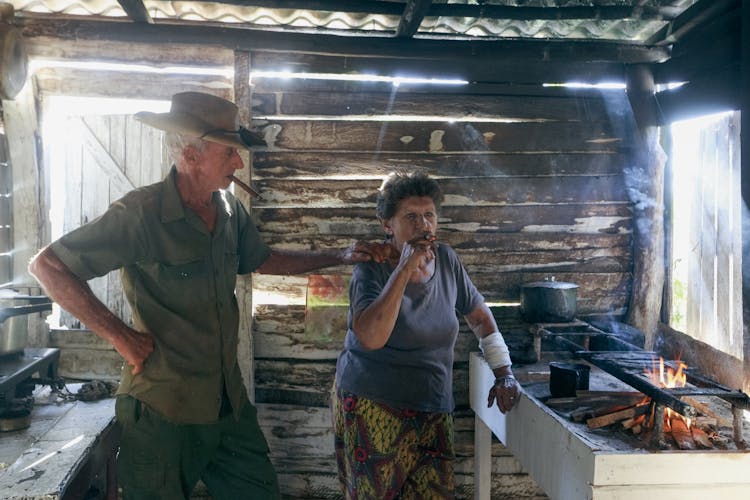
206 116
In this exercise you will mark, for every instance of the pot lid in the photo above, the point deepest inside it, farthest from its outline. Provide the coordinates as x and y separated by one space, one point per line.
550 283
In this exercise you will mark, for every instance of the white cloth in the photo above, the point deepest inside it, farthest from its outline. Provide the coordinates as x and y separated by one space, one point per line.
494 350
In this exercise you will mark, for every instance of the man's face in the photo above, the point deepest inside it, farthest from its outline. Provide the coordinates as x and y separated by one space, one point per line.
219 162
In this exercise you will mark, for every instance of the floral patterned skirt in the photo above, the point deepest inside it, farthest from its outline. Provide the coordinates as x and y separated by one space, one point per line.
388 453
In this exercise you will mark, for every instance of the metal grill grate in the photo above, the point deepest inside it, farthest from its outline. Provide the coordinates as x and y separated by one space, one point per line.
630 364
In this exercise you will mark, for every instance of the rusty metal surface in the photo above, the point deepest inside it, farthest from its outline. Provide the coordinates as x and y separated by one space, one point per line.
631 365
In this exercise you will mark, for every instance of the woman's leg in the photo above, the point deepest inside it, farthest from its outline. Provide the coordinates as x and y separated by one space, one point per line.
433 477
385 453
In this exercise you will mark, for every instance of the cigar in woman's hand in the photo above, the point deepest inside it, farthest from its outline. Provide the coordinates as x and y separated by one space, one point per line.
428 237
248 189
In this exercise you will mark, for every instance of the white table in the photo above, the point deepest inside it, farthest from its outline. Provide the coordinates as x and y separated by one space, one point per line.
570 463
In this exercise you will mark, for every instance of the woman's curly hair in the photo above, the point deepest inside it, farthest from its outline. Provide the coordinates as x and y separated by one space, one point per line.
398 186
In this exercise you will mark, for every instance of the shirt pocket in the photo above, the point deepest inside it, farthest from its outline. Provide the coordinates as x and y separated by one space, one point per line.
189 271
185 279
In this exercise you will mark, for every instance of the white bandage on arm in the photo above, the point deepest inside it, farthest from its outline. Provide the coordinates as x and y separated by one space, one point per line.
494 350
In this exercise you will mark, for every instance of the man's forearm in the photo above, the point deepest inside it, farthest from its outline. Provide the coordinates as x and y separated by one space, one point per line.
75 296
284 262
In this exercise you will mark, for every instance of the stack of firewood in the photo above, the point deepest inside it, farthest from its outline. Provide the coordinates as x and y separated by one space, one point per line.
635 413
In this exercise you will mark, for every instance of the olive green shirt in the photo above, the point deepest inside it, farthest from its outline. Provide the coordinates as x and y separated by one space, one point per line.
179 280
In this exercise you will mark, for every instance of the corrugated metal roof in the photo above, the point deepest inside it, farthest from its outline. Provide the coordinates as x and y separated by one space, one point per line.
631 21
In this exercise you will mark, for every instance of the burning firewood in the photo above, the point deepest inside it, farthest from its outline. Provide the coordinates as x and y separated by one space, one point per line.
587 413
704 422
650 417
612 418
701 438
590 404
707 411
632 422
681 434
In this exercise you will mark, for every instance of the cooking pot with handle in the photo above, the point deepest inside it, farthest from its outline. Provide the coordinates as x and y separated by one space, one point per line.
548 301
14 326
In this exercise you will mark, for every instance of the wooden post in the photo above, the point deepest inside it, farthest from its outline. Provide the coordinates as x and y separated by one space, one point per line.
645 186
30 227
482 460
745 186
244 287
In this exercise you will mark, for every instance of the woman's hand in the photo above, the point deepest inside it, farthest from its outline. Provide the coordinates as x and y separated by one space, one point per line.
506 392
416 255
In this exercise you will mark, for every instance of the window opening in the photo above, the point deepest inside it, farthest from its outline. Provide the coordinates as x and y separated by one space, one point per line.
706 248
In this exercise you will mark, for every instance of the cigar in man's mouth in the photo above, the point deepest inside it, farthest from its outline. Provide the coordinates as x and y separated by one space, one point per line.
247 188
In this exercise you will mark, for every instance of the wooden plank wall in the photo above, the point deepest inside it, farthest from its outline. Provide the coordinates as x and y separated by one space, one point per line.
534 187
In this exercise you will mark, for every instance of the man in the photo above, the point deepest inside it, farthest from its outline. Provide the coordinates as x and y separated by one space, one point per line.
179 245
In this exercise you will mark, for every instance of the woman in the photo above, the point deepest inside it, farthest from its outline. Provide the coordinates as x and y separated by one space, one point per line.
393 398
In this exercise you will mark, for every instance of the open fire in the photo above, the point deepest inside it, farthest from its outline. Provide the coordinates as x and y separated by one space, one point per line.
667 410
603 439
670 378
687 433
570 460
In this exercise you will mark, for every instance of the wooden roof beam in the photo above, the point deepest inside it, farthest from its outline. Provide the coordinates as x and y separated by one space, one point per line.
490 52
411 19
136 11
697 15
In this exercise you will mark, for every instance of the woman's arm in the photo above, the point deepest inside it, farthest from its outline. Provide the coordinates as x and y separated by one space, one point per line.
506 389
373 326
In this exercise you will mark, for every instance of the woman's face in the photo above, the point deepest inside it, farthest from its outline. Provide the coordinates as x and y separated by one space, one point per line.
415 216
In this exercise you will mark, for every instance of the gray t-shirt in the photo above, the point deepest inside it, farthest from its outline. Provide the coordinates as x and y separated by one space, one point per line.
414 370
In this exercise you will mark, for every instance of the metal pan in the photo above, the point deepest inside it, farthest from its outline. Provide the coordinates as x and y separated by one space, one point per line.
14 326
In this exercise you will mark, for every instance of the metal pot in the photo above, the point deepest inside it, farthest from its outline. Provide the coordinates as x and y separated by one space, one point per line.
548 301
14 327
567 378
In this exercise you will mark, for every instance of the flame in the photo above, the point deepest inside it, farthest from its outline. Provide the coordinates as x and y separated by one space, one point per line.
668 377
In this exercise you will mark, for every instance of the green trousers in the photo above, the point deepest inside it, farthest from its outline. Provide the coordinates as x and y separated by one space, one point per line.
162 460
